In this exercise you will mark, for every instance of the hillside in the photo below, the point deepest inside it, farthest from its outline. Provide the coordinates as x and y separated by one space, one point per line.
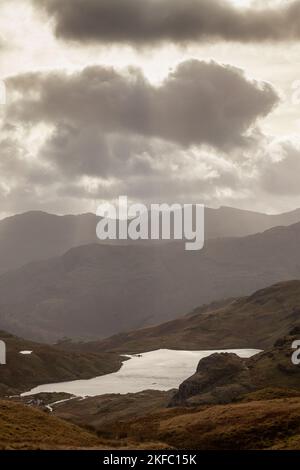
96 291
230 222
24 428
230 403
258 424
48 364
249 322
35 235
224 378
102 412
234 403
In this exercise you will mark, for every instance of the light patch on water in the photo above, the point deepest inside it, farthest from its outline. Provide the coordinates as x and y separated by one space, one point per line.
163 369
26 353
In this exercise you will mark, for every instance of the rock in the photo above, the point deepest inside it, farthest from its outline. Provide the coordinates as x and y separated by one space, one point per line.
225 378
218 379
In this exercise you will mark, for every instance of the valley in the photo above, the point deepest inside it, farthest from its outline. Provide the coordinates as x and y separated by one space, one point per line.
229 403
220 406
91 351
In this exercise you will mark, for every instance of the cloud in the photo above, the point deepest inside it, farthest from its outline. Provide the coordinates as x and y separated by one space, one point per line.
69 140
151 22
198 103
98 133
147 170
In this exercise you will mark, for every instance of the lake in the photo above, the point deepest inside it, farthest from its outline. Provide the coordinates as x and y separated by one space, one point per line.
163 369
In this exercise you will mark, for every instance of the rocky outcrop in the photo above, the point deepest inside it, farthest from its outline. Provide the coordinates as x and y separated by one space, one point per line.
219 379
224 378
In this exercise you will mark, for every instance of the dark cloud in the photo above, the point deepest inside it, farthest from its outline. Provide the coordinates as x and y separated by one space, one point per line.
64 179
87 151
108 133
198 103
149 22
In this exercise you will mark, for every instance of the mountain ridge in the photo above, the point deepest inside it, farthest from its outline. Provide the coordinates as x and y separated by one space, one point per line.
255 321
95 291
38 235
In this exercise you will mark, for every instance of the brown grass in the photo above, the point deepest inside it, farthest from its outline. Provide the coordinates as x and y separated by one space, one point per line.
254 425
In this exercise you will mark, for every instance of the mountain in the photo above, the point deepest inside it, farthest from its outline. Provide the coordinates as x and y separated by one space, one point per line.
254 321
231 222
47 364
95 291
35 236
91 291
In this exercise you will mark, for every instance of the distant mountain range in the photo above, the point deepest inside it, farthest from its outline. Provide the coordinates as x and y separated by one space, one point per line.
35 236
95 291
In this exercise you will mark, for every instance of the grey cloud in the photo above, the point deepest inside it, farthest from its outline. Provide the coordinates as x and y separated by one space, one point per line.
86 151
150 22
67 188
198 103
112 133
163 185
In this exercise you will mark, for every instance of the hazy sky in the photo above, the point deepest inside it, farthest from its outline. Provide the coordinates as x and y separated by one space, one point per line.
160 100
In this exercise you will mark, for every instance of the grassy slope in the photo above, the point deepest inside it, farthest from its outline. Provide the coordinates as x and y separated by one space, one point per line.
101 412
22 427
265 421
257 425
25 428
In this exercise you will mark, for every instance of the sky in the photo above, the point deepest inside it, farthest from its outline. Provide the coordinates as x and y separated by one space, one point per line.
194 101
